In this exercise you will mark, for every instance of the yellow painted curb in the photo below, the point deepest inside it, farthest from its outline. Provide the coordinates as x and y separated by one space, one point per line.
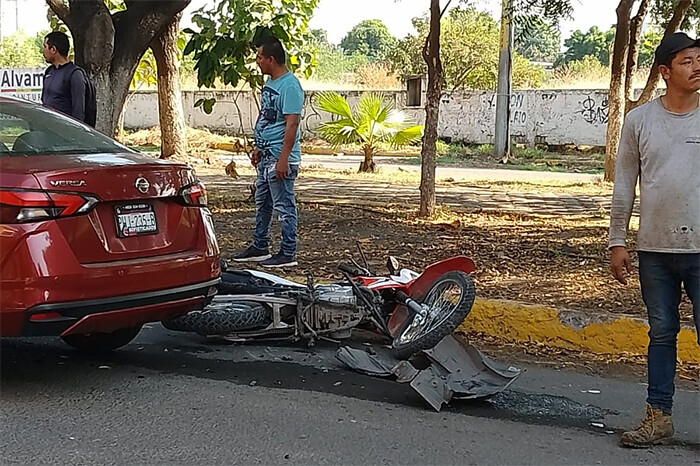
605 334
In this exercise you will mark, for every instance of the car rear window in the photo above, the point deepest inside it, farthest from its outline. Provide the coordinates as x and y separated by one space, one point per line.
30 129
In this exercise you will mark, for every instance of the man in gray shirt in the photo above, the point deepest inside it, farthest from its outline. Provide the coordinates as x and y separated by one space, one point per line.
64 82
660 146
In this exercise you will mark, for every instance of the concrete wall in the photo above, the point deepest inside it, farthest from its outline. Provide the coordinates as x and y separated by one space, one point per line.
538 116
235 112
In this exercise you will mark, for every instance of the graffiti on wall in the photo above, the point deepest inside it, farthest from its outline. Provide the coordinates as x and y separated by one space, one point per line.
518 111
311 118
594 112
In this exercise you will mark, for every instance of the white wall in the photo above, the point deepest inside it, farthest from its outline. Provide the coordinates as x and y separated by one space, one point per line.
538 116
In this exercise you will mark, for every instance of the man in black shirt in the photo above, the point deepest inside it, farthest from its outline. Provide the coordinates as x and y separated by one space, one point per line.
64 82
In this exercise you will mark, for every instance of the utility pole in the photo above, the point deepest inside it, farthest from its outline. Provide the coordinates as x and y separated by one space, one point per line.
505 67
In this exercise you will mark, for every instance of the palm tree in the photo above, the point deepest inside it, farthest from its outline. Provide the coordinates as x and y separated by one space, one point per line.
371 122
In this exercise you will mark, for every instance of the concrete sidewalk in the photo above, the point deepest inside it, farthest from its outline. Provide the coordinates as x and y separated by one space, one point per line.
394 164
459 197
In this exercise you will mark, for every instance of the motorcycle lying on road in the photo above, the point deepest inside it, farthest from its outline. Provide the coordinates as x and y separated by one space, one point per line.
415 311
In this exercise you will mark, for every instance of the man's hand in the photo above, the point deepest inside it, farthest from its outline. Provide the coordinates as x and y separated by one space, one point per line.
619 262
255 157
282 168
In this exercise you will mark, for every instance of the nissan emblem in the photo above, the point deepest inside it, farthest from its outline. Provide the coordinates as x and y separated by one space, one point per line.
142 185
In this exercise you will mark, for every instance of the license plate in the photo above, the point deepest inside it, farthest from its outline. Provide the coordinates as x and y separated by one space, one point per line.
135 220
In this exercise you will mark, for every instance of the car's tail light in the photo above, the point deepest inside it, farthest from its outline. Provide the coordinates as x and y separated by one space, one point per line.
24 206
194 195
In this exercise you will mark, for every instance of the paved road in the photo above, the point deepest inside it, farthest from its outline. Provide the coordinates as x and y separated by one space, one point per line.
176 399
392 164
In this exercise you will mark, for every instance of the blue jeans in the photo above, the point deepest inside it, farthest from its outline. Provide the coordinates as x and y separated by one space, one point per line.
661 276
271 193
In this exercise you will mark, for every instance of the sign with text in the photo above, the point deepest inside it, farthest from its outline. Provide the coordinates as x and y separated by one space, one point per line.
24 83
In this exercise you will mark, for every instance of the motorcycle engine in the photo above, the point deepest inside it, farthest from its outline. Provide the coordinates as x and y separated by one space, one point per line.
336 307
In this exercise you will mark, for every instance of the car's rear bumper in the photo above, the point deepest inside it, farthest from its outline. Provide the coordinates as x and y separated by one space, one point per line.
109 314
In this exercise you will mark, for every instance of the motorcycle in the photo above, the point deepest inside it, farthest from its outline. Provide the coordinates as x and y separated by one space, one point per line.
415 311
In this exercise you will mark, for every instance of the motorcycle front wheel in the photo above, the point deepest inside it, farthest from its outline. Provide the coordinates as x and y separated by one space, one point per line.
449 301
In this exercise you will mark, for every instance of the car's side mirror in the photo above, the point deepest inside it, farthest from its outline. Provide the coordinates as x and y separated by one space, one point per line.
392 263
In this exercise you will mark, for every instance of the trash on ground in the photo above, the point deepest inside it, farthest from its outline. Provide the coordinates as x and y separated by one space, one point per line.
449 370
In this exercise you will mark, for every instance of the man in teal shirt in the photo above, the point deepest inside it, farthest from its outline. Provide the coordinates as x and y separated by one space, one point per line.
277 156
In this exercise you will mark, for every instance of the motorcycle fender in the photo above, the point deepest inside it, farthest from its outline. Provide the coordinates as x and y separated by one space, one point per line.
418 288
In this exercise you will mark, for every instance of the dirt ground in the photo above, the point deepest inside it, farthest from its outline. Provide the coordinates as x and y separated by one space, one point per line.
558 262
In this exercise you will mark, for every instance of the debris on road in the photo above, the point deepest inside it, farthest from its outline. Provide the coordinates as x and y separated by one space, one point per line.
449 370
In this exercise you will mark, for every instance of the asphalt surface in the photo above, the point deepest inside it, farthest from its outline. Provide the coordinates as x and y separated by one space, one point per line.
171 398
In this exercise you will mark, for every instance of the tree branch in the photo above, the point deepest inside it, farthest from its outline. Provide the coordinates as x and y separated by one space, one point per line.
634 46
679 15
61 9
137 26
442 13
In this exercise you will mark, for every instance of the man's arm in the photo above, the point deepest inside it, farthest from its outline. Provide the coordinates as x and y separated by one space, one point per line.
626 176
77 92
290 138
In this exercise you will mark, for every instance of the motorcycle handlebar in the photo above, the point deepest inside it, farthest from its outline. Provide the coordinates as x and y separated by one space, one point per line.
349 269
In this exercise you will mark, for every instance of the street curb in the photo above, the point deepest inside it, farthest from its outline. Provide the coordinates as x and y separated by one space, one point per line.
574 330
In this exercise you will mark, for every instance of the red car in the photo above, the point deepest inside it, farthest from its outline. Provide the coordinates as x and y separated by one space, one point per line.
95 238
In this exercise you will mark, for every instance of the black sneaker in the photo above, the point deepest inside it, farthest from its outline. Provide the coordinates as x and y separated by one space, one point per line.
252 254
280 260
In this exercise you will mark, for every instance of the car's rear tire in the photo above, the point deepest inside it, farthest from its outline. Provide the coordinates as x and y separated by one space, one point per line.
102 341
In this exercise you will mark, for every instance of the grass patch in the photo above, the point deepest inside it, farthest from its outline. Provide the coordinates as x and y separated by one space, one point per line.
145 148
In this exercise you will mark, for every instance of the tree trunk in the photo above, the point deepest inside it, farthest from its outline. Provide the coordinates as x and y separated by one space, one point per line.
109 46
617 99
172 116
431 55
368 165
652 84
634 46
616 96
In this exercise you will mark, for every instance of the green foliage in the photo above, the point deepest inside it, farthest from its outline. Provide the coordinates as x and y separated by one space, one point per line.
594 42
331 63
21 51
223 47
334 65
146 73
529 12
662 11
370 38
469 44
538 42
649 41
319 39
371 122
598 44
587 66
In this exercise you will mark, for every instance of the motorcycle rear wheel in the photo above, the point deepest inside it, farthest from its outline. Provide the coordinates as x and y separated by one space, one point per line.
450 299
221 319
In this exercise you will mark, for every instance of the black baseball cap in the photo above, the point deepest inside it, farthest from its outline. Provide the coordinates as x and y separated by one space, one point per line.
673 44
